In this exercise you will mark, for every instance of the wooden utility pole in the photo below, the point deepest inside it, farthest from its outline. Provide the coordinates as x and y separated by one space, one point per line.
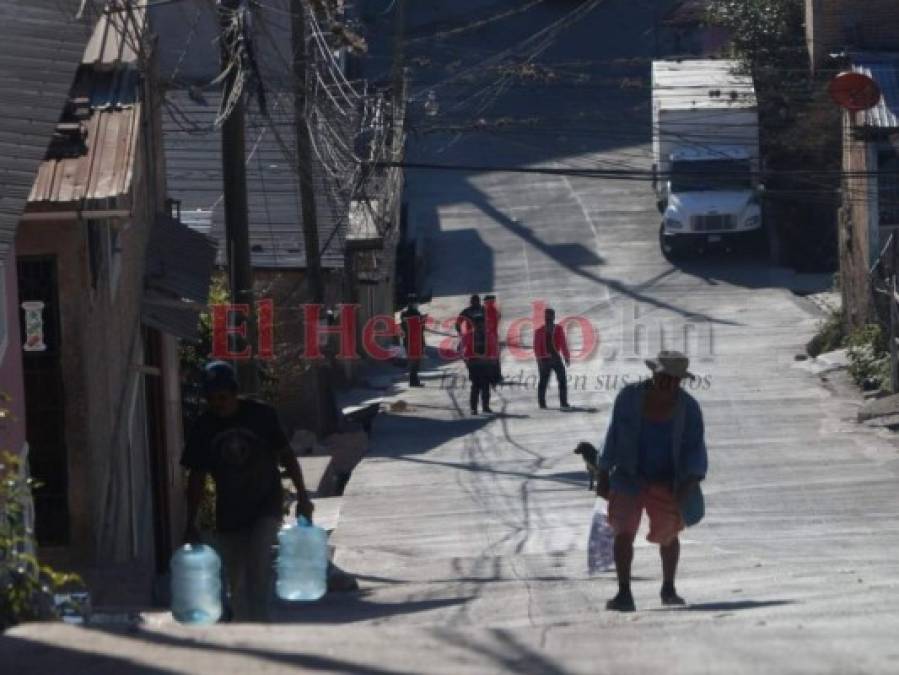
325 405
237 229
399 47
308 214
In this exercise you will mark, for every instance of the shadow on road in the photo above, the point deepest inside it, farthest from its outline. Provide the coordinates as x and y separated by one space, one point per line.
421 434
344 608
24 656
731 606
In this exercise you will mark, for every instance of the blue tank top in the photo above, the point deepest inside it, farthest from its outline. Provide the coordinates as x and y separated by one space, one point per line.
656 459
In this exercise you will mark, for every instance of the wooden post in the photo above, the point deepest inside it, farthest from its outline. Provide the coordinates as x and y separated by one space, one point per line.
325 405
894 318
237 228
308 214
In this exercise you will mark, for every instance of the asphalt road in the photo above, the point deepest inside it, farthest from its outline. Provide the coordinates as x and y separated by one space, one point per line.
469 533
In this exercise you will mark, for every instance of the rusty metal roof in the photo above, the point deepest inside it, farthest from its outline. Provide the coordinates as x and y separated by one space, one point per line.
112 43
90 161
883 68
39 53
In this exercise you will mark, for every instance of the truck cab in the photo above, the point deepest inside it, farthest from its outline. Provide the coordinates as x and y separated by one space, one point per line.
710 197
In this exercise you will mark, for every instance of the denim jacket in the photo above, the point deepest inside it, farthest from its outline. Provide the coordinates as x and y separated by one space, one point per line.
620 451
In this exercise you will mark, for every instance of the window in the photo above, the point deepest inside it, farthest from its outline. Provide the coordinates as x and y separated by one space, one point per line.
96 245
105 254
114 255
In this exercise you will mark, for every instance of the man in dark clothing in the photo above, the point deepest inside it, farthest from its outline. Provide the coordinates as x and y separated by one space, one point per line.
240 443
472 327
413 325
550 348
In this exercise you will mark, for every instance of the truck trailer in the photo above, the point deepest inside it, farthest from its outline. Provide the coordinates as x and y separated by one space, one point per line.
706 167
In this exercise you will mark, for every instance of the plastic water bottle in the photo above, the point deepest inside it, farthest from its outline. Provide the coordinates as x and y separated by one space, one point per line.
302 562
196 585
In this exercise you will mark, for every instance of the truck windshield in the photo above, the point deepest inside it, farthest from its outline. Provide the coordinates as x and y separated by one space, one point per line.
714 175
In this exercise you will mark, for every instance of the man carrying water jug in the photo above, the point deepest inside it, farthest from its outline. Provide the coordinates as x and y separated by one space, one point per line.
240 443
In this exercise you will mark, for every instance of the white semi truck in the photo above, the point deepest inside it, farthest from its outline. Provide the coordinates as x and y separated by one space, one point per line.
705 143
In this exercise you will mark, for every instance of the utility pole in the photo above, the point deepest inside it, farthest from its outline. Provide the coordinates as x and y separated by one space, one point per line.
237 229
399 47
325 406
308 215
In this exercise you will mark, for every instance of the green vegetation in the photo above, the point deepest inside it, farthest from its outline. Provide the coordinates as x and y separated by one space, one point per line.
26 587
869 357
831 335
799 124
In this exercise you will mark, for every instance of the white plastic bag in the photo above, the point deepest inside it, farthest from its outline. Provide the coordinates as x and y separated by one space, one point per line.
397 353
600 547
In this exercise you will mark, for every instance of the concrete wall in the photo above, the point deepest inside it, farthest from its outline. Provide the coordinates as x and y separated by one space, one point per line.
832 25
294 395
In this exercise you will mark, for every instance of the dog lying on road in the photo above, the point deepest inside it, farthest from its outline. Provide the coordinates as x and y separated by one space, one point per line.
590 457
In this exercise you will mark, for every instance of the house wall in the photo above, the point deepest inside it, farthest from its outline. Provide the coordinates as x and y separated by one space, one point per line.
858 239
108 476
110 495
832 25
12 426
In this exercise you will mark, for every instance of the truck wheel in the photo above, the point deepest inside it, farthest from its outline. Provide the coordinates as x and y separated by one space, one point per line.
758 246
670 249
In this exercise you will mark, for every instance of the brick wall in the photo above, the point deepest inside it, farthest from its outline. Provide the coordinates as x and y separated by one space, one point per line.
832 25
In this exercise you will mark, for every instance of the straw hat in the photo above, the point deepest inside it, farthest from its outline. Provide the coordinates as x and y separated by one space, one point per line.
671 363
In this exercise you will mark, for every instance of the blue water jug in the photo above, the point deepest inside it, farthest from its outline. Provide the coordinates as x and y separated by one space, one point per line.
196 584
302 562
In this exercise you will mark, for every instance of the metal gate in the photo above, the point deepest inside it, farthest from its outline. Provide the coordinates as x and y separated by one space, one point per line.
45 402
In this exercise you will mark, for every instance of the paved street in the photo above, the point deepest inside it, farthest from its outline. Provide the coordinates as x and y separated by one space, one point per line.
469 533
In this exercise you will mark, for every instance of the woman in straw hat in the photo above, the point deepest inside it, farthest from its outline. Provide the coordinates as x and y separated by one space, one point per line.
653 460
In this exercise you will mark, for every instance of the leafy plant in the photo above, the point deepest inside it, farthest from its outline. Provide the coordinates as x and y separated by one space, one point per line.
869 358
831 335
798 124
26 587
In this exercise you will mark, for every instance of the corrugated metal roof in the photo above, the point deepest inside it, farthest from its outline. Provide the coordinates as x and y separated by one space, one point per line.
179 267
883 68
701 83
39 53
194 171
93 169
110 45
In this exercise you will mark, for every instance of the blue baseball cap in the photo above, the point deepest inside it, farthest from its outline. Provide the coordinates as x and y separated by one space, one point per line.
218 376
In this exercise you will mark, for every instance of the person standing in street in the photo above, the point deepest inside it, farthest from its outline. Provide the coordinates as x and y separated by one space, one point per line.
471 325
551 349
413 325
240 443
653 460
493 317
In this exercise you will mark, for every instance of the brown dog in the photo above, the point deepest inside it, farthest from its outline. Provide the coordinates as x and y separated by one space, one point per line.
590 457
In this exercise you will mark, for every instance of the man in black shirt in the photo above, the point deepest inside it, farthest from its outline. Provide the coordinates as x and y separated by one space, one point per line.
413 325
240 443
471 324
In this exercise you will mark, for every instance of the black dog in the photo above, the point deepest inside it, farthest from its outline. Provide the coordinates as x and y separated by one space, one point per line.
590 456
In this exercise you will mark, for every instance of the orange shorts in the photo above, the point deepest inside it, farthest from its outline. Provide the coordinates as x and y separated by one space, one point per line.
657 499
